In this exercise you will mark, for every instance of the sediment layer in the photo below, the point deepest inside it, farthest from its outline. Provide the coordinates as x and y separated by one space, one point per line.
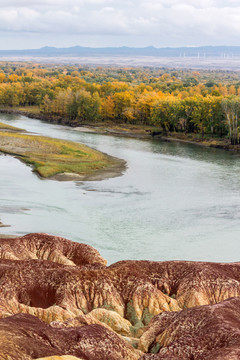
60 299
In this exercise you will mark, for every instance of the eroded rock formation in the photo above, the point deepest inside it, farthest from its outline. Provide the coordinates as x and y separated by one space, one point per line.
203 333
51 248
68 286
67 357
25 337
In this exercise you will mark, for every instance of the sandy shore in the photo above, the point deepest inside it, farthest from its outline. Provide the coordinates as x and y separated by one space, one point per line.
114 132
5 236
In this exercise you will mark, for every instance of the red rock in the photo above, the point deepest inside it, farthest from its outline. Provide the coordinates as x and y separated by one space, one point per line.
67 284
207 332
189 283
24 337
52 248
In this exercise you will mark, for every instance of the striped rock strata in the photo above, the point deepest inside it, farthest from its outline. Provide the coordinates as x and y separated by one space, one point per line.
68 286
210 332
25 337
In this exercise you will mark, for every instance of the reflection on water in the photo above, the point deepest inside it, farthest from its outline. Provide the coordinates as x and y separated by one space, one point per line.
175 201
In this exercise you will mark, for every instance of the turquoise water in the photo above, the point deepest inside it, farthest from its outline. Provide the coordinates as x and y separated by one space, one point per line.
175 201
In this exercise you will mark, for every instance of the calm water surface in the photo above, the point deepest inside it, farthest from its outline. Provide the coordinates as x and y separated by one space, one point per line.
174 201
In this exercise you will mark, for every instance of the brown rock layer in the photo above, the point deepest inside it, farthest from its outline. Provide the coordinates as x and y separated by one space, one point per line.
136 289
202 333
51 248
67 357
24 337
68 285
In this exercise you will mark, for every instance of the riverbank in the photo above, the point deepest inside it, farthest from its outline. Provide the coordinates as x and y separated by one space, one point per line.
149 133
144 132
6 236
104 128
9 128
58 159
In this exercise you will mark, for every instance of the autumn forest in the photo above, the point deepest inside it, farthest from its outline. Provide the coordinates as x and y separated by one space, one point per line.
173 101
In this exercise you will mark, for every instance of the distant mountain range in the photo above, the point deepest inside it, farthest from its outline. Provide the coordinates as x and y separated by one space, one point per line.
79 51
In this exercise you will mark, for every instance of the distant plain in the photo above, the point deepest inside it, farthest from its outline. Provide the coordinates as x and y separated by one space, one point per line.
188 62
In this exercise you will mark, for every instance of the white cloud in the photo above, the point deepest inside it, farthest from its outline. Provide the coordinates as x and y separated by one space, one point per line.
157 22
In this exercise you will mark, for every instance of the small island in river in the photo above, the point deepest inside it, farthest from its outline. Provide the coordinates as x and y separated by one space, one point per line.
58 159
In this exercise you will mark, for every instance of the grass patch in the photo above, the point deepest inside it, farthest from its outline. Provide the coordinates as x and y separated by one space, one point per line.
6 127
52 156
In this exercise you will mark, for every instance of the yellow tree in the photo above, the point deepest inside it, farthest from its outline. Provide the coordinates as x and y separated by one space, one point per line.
107 108
46 106
2 77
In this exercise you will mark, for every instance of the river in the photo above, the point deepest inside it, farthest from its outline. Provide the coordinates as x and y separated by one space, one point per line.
174 202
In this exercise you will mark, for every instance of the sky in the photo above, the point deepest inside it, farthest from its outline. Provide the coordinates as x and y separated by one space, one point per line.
26 24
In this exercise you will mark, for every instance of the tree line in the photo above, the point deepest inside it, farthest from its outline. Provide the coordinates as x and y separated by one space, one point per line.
191 103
